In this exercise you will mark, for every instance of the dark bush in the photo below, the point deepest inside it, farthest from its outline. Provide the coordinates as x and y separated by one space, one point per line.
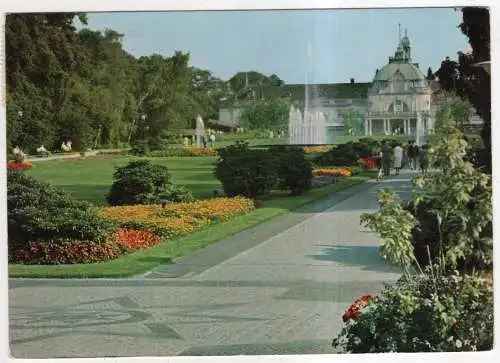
340 155
140 148
139 182
246 172
40 212
294 169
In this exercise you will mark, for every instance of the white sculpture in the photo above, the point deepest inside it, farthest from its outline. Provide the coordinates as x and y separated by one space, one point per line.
200 130
66 146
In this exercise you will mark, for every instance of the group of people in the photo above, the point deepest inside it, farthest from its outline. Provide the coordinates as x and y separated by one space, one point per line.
413 157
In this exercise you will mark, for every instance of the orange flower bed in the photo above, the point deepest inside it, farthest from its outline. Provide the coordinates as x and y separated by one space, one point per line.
316 149
134 239
354 310
332 172
25 165
177 218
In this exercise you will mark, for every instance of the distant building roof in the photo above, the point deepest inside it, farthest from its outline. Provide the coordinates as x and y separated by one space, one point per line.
409 71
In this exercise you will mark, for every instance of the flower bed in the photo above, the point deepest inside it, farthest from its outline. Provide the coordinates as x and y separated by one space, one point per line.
66 252
177 218
332 172
368 162
185 151
316 149
14 165
134 239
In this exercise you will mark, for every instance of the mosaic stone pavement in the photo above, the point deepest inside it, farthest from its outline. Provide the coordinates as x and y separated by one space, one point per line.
282 294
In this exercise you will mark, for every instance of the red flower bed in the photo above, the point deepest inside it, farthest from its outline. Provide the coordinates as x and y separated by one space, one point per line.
137 239
68 252
25 165
369 162
355 309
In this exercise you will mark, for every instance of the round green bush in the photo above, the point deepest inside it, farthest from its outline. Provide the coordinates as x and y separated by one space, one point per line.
38 211
246 172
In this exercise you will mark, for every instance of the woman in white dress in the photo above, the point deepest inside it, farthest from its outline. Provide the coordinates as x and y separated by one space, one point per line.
398 158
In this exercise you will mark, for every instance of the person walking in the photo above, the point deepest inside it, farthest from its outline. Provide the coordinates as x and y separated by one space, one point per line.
398 158
386 159
212 140
424 159
413 152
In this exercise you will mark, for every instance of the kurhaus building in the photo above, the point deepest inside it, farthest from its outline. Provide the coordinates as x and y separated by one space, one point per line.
398 98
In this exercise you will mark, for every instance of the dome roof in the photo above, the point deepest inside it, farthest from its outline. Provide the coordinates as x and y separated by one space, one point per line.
409 71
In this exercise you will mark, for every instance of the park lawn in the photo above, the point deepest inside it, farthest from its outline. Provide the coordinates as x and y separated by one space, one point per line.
91 179
145 260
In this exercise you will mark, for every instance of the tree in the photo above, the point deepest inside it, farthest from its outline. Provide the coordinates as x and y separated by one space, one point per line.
470 82
353 122
272 114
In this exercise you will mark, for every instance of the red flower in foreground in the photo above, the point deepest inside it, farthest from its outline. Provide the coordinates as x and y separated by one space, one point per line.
354 310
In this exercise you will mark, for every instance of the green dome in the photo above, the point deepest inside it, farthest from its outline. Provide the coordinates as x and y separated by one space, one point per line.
409 71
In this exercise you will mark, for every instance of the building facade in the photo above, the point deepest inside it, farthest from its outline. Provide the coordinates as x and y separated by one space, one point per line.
399 100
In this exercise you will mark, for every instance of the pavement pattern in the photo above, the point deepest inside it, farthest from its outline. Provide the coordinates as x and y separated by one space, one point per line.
278 288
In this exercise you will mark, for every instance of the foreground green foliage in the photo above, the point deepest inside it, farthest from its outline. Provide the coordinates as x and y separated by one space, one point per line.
38 211
141 182
447 226
424 313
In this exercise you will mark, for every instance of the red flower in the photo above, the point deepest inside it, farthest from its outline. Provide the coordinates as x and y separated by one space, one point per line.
354 310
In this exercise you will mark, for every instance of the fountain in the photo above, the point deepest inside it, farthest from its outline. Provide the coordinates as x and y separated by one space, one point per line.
200 131
308 128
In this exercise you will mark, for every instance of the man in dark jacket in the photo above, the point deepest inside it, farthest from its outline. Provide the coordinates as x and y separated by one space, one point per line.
413 152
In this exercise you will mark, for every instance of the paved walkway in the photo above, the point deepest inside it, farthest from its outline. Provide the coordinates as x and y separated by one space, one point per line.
284 294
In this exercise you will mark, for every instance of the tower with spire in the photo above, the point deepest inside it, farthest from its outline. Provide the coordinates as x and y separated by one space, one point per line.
403 50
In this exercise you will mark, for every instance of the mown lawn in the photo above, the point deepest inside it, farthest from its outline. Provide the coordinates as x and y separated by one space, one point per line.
90 180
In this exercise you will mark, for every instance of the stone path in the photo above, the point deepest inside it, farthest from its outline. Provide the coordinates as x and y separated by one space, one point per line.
282 294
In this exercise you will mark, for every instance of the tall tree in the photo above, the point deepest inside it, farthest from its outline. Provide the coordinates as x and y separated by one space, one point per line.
468 81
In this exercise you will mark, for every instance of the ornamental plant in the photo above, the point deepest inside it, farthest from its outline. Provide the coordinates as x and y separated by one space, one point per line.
332 172
141 182
246 172
295 172
448 305
39 212
19 166
423 313
176 218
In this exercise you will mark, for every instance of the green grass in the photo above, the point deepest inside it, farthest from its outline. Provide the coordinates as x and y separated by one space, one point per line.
91 179
145 260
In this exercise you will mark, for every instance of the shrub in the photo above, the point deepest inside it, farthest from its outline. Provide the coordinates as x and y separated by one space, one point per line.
294 170
175 194
65 252
139 182
344 154
40 212
140 148
423 314
246 172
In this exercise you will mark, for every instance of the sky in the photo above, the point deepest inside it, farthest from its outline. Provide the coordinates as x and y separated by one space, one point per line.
326 46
